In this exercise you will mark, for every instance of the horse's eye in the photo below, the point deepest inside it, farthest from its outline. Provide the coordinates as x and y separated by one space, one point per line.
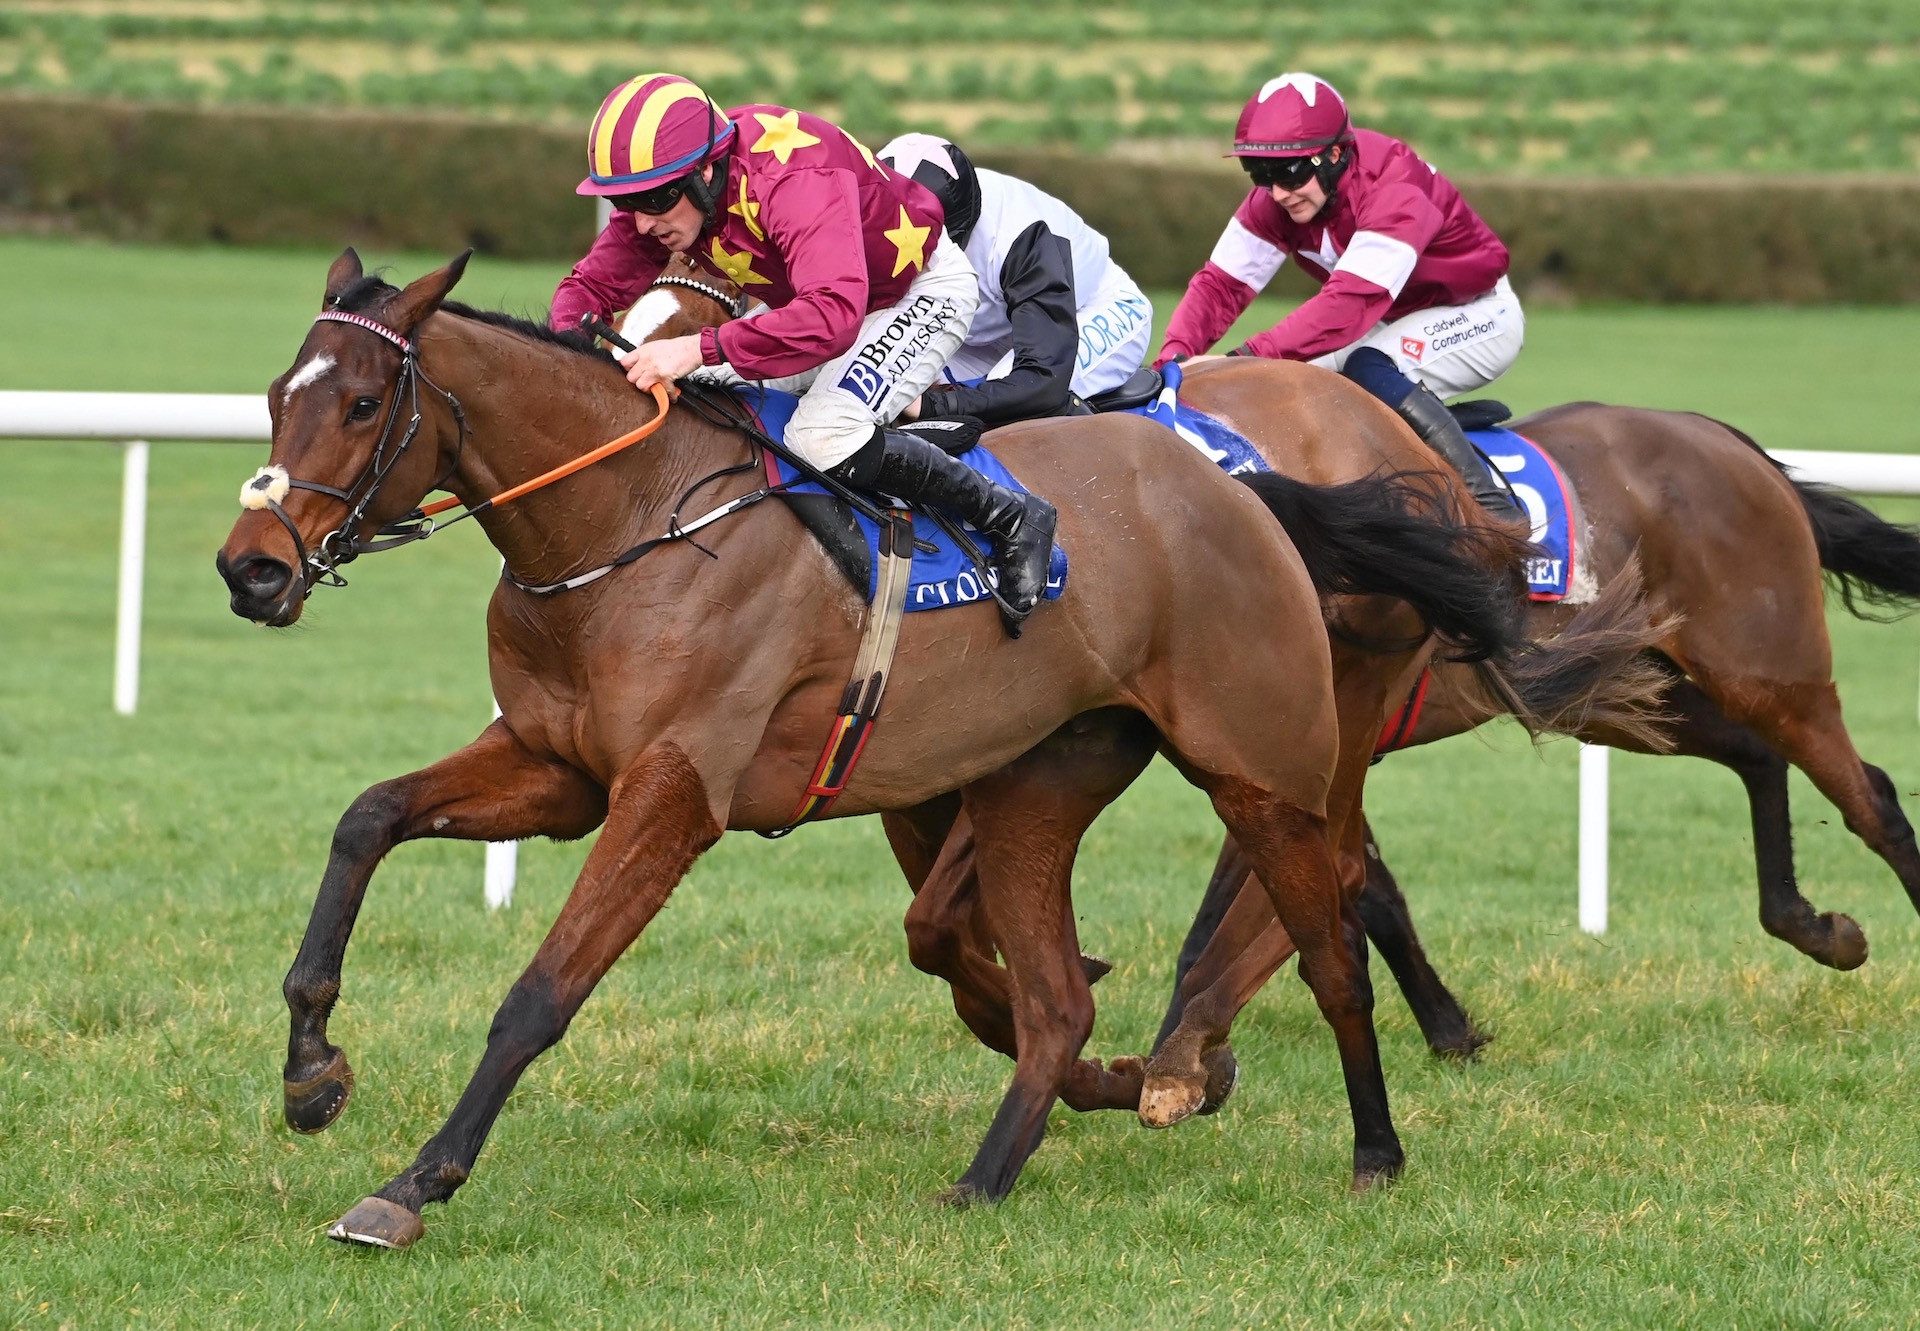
363 408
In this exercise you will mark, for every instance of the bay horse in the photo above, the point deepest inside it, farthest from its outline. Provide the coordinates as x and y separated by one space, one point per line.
686 693
1741 554
1317 427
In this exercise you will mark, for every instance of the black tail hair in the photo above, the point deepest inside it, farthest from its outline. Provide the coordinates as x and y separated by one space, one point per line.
1873 562
1391 534
1602 670
1869 559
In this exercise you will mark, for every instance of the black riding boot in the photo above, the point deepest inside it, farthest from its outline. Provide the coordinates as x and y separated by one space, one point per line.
1431 420
913 469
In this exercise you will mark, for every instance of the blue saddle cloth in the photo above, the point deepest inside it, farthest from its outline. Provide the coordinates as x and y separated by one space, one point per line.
1542 491
1226 447
942 575
1536 481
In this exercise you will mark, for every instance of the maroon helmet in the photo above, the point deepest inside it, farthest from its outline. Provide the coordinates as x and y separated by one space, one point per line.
1286 128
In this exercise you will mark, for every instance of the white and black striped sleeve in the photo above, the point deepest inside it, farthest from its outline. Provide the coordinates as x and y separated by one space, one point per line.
1037 281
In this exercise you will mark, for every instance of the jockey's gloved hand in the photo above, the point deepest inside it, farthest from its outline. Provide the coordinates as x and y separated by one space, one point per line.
953 435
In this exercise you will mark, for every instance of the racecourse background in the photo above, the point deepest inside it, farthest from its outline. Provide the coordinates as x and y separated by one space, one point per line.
1681 1124
1620 88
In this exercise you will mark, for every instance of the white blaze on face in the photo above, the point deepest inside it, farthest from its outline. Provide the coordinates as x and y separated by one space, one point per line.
649 313
305 375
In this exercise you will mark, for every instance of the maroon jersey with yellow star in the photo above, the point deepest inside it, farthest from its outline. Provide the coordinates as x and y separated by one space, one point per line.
813 226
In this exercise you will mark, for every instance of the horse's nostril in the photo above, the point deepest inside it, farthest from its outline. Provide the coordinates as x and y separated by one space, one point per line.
261 577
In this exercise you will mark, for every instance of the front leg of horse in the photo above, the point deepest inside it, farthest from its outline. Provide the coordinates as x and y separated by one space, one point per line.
658 822
1028 821
947 936
1193 1069
1230 873
495 789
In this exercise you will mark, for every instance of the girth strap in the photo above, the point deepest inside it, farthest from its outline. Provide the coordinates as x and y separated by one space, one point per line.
1398 732
860 704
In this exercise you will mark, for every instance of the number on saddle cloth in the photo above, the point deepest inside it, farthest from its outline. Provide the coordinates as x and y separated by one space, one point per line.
1541 489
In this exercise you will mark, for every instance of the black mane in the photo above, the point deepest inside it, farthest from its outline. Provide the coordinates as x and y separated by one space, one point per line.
371 290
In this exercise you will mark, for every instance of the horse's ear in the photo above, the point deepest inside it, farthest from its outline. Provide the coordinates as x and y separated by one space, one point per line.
345 272
423 295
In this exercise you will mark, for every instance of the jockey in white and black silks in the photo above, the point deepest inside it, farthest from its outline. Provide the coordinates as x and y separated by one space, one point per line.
1059 320
1414 299
865 297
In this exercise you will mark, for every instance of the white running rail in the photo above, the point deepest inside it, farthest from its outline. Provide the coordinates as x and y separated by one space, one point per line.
141 418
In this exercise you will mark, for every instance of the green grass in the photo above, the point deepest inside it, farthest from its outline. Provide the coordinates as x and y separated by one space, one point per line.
1680 1124
1628 87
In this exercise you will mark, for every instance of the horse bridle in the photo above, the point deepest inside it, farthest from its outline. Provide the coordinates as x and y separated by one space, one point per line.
343 544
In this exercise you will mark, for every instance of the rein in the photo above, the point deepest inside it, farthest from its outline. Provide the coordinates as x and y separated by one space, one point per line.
860 701
343 545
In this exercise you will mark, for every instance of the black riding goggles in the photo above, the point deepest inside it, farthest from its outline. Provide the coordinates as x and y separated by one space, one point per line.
1289 173
652 202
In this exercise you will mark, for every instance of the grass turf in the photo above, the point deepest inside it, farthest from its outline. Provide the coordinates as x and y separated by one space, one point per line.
1681 1123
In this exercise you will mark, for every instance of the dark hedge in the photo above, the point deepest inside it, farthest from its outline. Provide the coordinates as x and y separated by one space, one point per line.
260 177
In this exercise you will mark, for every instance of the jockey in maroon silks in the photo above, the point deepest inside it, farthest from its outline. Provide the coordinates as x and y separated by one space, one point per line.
865 297
1414 299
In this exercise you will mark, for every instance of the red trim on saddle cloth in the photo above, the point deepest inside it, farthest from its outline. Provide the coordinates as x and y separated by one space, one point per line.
1398 732
1573 526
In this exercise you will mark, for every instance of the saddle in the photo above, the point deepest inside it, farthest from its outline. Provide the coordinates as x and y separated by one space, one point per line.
1480 414
1143 387
948 561
832 522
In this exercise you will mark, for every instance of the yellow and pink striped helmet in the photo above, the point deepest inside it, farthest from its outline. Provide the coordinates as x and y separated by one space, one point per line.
652 129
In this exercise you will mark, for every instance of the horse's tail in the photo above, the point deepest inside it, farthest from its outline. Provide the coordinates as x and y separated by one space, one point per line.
1390 534
1598 673
1874 563
1394 535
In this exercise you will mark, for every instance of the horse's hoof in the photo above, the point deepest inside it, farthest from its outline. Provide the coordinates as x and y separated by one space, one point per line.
1095 969
1164 1101
1462 1048
315 1103
963 1195
1223 1074
1373 1174
1092 1087
378 1223
1846 944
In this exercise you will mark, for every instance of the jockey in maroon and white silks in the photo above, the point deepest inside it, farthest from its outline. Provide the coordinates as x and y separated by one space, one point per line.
864 297
1414 299
1397 239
